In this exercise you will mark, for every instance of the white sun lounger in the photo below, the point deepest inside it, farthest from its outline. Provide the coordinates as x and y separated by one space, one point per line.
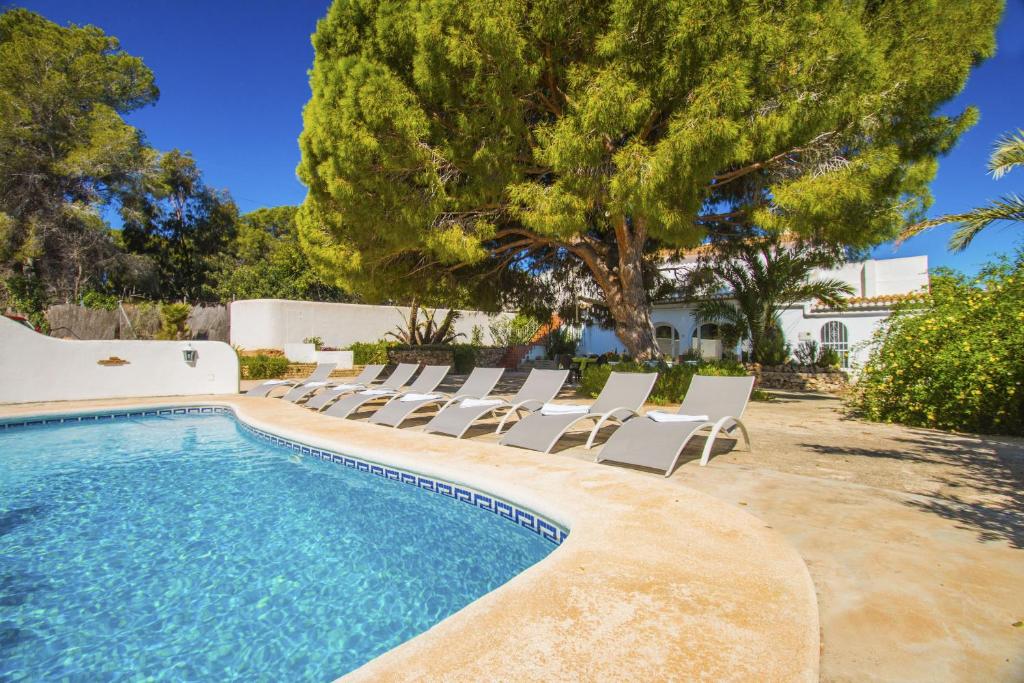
621 397
307 389
540 387
424 384
657 440
402 373
320 373
478 385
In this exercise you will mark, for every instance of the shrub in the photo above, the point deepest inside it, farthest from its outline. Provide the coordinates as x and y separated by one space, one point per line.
317 342
99 300
513 331
174 321
673 382
371 353
561 341
464 358
776 350
263 367
955 361
806 353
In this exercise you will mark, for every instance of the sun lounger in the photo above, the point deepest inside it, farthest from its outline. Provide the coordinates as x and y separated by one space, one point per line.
621 397
657 439
307 389
540 387
477 386
424 384
402 373
321 373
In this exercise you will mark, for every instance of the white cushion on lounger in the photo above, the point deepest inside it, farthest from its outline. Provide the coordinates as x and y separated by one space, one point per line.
559 409
377 392
347 386
419 397
313 384
274 381
480 402
662 416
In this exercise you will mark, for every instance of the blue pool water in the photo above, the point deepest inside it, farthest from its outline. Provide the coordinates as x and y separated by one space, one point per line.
182 548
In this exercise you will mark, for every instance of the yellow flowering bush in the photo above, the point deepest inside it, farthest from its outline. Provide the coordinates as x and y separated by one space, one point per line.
956 362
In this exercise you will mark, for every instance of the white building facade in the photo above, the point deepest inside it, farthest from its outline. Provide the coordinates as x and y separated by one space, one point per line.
877 286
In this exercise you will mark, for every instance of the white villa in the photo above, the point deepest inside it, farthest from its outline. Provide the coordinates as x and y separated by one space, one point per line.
878 284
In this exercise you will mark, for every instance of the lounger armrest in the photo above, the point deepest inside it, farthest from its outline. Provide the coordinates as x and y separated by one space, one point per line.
514 408
613 414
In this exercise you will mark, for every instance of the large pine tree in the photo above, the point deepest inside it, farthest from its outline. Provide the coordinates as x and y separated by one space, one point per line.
452 138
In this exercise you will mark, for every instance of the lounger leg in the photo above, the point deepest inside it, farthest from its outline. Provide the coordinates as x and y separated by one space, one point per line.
508 414
746 436
706 455
597 428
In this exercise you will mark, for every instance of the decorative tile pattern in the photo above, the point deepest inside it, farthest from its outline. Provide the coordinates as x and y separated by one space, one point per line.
520 516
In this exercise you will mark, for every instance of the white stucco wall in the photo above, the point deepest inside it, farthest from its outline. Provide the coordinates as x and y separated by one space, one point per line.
860 327
272 323
35 367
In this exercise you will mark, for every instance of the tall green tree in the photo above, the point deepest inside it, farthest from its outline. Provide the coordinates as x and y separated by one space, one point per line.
1008 154
180 222
747 279
65 150
265 261
445 139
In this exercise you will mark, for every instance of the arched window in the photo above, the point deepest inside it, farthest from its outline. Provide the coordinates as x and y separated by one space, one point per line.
667 338
834 336
706 331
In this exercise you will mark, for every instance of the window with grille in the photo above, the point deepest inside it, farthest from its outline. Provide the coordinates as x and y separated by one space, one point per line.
834 336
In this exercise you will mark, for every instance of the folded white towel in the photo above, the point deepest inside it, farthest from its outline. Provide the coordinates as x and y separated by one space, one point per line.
560 409
480 402
409 398
274 381
662 416
346 387
314 384
377 392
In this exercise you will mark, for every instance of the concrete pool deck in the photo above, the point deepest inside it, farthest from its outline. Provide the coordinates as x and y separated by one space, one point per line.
655 581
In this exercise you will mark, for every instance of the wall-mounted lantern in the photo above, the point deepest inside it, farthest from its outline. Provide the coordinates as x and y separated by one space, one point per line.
190 355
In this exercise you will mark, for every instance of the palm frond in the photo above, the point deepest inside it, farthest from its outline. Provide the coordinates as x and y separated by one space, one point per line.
1008 154
1009 208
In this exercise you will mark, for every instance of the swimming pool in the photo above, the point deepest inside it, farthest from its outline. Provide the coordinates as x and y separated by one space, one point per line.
183 547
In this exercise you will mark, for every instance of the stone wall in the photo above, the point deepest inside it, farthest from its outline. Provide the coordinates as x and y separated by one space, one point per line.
428 355
491 356
799 378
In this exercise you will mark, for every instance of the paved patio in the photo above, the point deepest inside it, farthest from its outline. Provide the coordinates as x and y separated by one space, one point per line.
914 538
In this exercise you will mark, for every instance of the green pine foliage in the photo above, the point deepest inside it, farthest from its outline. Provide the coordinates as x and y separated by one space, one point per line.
447 145
955 362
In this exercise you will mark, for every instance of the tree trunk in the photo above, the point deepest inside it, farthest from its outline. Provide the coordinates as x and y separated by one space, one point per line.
624 291
633 326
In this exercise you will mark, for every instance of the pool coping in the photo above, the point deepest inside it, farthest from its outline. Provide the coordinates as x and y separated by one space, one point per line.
654 581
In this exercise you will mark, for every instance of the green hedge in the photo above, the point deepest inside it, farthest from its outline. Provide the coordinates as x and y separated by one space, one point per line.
371 353
263 367
672 383
465 358
955 362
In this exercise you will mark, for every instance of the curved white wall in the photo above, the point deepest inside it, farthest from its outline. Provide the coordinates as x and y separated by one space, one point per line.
272 323
34 367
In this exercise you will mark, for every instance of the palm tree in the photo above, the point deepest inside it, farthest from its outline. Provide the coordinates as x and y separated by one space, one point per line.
746 279
1008 154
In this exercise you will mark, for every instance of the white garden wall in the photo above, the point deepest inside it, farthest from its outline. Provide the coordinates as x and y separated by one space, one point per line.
273 323
34 367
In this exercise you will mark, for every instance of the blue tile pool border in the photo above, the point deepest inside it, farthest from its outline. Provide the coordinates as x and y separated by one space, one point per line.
511 512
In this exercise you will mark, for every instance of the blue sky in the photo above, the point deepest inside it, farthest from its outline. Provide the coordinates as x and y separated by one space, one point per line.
232 78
